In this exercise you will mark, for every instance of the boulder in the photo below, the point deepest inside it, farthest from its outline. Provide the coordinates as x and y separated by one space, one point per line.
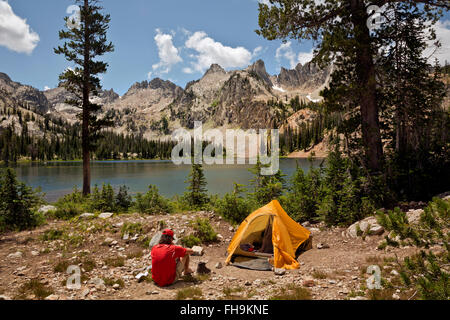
105 215
155 240
368 226
376 230
219 265
46 209
413 216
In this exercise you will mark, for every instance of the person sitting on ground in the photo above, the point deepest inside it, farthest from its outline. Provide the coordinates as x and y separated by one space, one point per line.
169 261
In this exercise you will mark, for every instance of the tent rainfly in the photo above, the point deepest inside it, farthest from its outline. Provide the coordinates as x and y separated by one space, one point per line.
287 235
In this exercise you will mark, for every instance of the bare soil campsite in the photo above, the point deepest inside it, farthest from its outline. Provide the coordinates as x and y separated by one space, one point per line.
112 251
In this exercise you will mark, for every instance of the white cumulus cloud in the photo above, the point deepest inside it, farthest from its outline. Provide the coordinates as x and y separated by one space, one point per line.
443 35
15 33
286 52
210 51
168 53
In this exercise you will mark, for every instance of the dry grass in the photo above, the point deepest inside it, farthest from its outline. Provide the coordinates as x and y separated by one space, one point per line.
293 292
319 275
35 287
115 262
192 293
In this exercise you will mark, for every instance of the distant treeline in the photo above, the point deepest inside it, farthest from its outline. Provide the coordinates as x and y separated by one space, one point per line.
67 146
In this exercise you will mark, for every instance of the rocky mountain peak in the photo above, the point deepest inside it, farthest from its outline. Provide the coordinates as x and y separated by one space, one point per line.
305 76
5 77
259 69
215 68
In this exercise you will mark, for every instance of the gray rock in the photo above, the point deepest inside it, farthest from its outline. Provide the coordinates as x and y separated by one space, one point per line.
219 265
87 215
16 255
105 215
358 298
155 240
46 209
198 251
368 226
99 283
141 276
52 297
4 298
322 246
279 271
116 286
126 236
34 253
109 241
413 216
85 292
395 296
376 230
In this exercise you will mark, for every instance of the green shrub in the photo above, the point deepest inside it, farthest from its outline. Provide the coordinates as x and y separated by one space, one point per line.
426 272
103 200
234 207
190 241
203 230
18 203
52 234
152 202
71 205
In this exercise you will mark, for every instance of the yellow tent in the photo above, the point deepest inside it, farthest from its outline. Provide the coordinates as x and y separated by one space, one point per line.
287 235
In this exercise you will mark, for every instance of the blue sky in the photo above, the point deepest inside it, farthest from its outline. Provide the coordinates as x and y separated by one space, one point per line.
171 39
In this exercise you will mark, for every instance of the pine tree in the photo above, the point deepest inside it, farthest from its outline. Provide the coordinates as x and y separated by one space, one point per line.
340 28
18 203
84 44
196 196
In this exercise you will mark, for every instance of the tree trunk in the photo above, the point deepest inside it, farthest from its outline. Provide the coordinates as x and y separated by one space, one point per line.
365 70
86 113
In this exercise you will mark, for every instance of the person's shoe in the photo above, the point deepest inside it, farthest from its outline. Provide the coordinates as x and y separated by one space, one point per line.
188 272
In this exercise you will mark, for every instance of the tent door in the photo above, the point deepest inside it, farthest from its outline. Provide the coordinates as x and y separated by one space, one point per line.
267 245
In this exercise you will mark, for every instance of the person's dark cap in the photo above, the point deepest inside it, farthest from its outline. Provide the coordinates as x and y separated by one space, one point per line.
168 232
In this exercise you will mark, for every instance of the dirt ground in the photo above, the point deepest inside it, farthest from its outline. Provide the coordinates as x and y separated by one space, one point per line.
109 264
